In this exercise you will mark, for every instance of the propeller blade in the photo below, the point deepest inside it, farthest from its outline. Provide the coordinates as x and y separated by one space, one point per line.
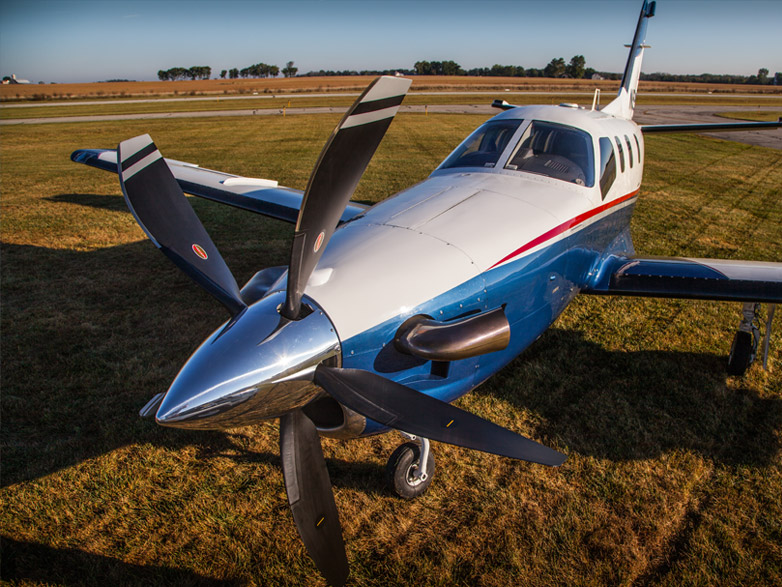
162 210
311 499
398 406
335 177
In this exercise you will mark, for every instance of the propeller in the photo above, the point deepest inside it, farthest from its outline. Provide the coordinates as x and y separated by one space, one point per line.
163 212
335 177
309 492
398 406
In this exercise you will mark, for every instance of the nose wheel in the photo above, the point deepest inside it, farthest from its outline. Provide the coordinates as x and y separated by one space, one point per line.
404 473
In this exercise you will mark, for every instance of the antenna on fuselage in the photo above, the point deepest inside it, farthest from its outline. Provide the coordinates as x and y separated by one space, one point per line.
624 103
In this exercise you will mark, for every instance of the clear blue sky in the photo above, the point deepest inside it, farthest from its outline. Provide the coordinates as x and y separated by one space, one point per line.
74 41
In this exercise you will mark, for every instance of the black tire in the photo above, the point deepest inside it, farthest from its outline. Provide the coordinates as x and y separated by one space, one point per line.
400 470
741 353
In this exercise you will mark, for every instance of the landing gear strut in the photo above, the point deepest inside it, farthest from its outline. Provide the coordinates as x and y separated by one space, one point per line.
745 343
405 474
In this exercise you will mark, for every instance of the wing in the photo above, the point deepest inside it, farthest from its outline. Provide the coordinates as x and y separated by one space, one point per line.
677 277
712 126
261 196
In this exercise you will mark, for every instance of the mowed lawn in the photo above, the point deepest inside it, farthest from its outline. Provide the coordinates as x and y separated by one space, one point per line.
674 473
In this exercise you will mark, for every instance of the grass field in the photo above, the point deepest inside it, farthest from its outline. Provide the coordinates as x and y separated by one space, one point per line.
675 470
217 104
343 83
754 115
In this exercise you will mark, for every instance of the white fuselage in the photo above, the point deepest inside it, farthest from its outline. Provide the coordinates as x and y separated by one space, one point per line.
460 223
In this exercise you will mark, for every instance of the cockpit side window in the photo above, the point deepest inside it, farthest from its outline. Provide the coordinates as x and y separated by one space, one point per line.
484 146
555 150
621 154
629 150
637 144
607 165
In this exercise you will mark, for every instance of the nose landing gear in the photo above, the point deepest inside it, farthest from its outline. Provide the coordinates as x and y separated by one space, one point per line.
405 474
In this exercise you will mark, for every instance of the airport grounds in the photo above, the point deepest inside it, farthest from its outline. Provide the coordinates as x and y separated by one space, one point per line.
674 473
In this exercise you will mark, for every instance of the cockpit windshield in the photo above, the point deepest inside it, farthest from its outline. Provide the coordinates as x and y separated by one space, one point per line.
555 150
484 146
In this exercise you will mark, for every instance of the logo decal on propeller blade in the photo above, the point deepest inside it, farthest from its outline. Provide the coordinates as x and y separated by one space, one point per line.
319 241
199 250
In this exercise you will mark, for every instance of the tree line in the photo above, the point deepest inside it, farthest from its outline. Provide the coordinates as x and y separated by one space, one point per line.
204 71
177 73
557 68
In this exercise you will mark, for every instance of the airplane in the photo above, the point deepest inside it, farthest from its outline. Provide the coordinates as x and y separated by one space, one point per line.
387 314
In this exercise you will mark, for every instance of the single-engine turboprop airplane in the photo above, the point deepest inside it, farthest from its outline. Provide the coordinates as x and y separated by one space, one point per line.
456 276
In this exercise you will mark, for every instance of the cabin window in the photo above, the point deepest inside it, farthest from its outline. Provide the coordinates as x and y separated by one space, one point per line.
621 154
555 150
629 151
484 146
637 144
607 165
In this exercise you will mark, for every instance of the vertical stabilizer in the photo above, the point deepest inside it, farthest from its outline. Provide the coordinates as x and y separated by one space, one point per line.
624 103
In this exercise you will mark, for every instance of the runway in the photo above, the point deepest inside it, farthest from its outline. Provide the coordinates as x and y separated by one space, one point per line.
659 114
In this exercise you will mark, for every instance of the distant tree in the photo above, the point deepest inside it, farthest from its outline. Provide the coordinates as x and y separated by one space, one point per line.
763 75
452 68
199 72
233 73
289 70
274 71
422 67
223 74
589 72
778 78
575 68
555 68
162 75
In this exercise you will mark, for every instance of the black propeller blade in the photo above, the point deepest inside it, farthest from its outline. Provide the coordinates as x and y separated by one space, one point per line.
162 210
311 499
335 177
397 406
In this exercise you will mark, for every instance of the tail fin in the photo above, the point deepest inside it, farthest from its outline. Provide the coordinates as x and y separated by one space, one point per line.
624 103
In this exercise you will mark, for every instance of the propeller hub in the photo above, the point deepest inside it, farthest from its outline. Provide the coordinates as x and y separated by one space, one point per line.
257 366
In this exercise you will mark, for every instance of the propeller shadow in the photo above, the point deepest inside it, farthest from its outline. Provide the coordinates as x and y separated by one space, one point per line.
29 562
98 201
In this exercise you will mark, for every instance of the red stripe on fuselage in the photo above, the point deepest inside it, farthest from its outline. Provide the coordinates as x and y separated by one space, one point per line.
567 225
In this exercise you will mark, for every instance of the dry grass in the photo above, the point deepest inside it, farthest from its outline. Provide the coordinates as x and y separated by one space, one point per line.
349 83
754 115
289 105
674 473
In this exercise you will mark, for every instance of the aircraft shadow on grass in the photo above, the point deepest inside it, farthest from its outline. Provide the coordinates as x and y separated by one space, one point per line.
27 561
89 337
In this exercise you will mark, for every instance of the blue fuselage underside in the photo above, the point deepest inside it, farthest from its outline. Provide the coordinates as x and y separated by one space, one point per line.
534 288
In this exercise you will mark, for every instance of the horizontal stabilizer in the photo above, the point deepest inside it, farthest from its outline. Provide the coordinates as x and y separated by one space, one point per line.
254 195
702 279
714 126
502 105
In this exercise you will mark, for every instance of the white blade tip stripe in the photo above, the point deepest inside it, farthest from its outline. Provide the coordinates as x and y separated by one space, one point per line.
368 117
138 166
134 145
